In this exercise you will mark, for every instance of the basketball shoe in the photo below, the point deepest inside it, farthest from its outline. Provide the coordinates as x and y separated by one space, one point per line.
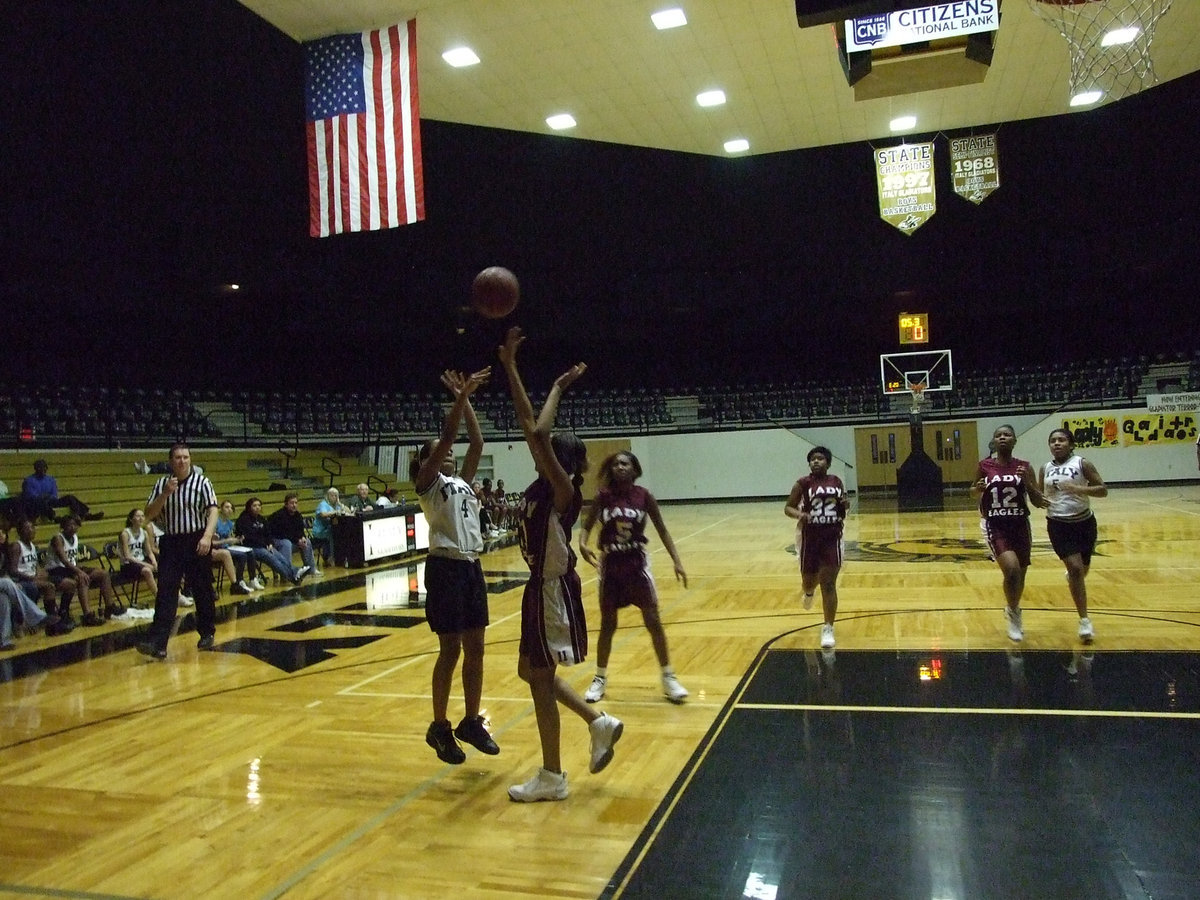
827 640
1085 630
674 691
544 785
605 732
595 691
1013 618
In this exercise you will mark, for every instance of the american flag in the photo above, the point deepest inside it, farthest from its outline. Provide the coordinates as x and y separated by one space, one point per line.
364 133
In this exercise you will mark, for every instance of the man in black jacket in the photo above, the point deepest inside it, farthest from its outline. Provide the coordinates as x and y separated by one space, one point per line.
286 527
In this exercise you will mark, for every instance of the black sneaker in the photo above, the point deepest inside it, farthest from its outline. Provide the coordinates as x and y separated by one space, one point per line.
441 739
472 731
149 649
238 589
206 642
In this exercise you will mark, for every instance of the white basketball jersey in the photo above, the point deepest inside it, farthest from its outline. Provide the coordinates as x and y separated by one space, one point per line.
452 511
1068 507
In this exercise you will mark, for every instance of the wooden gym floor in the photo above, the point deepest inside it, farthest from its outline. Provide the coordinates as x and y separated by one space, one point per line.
928 756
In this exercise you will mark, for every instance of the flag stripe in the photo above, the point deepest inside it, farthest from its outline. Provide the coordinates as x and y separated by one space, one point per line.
364 132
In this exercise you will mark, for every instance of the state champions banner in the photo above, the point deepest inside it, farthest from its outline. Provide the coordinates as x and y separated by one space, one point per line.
974 166
907 193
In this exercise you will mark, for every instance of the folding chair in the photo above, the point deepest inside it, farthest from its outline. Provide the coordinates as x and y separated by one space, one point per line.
126 584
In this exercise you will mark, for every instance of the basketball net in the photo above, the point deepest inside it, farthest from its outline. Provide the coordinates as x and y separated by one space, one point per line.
917 389
1109 41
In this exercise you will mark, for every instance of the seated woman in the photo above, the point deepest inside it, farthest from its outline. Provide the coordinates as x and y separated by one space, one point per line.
136 549
64 558
321 533
234 556
251 527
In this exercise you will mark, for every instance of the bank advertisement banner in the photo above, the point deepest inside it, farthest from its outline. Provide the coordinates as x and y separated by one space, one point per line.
907 194
974 166
929 23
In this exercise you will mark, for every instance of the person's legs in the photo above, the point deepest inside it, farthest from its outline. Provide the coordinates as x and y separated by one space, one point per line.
658 636
449 648
306 553
472 671
200 580
171 568
284 548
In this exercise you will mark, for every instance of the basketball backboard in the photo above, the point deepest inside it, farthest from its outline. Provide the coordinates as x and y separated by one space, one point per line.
902 373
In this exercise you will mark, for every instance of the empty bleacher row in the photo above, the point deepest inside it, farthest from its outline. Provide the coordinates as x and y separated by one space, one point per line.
114 417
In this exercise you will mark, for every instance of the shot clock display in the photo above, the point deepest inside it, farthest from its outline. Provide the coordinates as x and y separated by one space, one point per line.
914 328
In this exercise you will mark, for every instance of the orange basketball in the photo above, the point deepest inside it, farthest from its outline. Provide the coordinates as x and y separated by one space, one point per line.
495 292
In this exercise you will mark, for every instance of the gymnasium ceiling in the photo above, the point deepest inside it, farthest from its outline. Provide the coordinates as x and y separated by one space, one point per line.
627 83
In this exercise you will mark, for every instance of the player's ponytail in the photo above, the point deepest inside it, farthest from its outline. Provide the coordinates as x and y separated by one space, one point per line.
571 454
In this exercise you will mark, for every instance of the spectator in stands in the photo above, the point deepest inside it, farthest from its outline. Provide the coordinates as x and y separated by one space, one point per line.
361 501
39 497
500 506
229 551
27 573
485 520
251 526
64 566
322 528
136 549
289 533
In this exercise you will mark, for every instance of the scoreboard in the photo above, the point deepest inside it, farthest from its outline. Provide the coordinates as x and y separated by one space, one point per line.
914 328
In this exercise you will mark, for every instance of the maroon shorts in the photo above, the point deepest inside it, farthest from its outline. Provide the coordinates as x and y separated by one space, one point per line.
625 580
553 626
1009 536
818 548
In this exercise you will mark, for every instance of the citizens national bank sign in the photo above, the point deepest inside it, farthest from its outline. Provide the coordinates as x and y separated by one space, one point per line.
929 23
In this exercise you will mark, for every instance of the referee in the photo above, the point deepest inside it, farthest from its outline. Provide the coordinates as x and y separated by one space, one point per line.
187 504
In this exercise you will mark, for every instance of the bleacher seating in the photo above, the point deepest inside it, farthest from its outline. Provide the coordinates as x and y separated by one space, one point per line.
111 418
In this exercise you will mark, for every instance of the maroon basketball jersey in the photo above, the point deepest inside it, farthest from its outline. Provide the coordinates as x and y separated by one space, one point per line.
823 499
545 534
1003 494
622 519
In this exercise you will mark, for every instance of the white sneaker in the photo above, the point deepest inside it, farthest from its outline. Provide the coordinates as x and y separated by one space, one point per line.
1013 618
185 600
302 573
257 584
827 640
605 732
595 691
675 691
1085 630
142 467
544 785
317 573
808 601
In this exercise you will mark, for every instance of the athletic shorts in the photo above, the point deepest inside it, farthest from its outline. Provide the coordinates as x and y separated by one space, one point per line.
59 574
625 580
132 570
818 548
553 626
1009 535
455 595
1069 538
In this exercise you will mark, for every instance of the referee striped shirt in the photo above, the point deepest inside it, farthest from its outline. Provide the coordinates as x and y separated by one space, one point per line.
185 511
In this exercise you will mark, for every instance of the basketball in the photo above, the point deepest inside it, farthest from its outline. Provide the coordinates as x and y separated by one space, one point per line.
495 292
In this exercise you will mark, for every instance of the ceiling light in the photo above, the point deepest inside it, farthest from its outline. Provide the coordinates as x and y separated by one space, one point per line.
710 98
460 56
1086 98
902 123
737 145
560 121
668 18
1120 36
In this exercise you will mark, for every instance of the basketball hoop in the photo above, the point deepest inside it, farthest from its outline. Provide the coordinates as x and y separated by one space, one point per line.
1109 41
917 389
